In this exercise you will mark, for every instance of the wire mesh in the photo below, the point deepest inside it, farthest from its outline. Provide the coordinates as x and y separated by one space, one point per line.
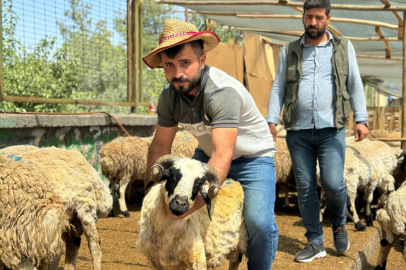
74 49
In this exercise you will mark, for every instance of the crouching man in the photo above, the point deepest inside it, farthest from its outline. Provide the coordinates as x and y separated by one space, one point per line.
233 136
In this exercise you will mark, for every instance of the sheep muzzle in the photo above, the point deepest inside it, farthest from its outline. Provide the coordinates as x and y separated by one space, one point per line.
179 205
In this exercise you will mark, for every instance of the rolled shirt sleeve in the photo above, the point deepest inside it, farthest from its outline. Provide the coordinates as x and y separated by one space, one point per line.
278 90
355 87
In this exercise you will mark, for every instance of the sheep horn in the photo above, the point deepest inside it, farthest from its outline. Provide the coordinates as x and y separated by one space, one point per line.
213 178
402 154
160 165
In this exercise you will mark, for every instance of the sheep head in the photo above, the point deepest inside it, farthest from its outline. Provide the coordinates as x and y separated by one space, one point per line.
185 178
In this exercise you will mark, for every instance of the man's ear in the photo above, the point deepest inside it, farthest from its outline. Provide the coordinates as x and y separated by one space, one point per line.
203 60
328 18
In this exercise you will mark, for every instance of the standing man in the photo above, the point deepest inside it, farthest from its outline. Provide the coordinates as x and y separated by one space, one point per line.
233 136
317 80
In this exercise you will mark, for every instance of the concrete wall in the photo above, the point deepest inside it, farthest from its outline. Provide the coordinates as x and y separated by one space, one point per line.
86 133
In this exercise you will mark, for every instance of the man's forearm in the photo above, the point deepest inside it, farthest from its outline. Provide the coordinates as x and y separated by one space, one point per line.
221 162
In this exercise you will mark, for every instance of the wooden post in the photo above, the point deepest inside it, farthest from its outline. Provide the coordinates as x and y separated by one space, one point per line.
375 119
1 55
136 18
391 122
186 14
382 119
140 50
131 92
403 133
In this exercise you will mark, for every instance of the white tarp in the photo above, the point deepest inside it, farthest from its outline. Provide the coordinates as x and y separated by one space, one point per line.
388 73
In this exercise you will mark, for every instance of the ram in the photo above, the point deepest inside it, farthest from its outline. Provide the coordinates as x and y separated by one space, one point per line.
203 239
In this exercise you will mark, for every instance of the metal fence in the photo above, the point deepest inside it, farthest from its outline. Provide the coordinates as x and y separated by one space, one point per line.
71 52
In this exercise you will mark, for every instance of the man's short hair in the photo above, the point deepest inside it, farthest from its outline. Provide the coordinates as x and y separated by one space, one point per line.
324 4
197 47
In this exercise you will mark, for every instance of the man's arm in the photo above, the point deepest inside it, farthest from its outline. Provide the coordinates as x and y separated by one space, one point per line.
160 146
277 94
223 143
357 98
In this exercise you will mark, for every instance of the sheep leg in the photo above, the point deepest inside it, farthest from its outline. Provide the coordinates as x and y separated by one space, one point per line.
90 231
54 265
72 251
121 197
1 265
113 192
43 266
25 265
285 190
384 252
368 196
355 218
235 259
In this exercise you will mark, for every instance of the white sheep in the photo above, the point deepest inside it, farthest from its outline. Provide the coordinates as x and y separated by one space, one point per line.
194 242
80 189
392 219
32 217
124 160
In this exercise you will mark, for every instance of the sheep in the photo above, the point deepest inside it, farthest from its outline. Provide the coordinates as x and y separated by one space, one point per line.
81 191
194 242
124 160
283 168
392 219
32 217
378 133
368 166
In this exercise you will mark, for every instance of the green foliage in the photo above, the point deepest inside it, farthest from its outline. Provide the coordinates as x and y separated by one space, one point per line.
88 65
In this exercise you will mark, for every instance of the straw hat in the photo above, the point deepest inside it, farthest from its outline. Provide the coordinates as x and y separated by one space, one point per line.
176 32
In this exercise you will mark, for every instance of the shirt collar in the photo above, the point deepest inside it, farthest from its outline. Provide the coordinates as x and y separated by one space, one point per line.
303 39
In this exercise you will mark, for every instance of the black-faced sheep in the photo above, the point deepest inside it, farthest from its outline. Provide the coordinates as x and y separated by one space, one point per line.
32 217
124 160
195 242
81 191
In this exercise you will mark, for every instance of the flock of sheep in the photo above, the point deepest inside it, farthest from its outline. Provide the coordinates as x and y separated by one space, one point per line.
49 197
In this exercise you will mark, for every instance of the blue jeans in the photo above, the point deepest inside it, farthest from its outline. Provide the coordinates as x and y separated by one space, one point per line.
257 177
326 145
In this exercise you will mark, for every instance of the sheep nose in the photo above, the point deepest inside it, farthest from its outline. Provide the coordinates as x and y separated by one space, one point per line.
179 205
180 201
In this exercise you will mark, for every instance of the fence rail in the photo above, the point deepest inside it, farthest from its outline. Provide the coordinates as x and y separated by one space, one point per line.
383 118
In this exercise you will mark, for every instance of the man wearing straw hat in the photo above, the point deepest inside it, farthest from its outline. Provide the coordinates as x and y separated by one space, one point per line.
317 81
233 136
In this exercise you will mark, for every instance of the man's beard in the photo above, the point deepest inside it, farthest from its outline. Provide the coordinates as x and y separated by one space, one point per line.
182 89
315 35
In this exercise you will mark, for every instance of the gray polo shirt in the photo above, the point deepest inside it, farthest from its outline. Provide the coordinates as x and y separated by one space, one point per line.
222 102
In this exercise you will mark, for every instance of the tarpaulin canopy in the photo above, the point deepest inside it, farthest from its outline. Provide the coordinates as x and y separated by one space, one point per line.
374 27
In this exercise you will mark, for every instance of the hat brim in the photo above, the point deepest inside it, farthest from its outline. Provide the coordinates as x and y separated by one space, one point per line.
210 41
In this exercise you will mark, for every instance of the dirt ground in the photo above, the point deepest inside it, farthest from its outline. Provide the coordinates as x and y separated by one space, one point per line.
119 235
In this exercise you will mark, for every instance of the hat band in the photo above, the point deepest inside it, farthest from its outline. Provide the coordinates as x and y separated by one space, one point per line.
176 35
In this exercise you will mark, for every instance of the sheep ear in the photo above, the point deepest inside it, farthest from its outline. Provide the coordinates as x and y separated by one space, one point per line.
204 191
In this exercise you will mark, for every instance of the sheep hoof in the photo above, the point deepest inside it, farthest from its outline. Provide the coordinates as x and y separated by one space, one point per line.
384 242
369 221
383 267
111 214
125 213
359 226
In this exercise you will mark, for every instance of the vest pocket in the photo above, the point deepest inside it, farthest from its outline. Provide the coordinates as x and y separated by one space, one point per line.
287 112
346 105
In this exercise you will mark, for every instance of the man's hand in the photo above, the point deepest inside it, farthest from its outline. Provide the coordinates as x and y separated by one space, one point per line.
272 129
360 132
199 203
